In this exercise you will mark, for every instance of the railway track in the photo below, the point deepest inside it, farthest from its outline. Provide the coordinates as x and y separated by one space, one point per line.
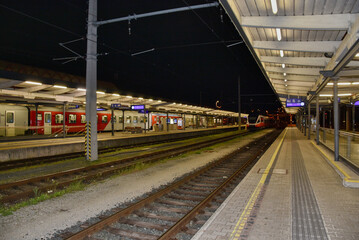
179 210
20 190
7 165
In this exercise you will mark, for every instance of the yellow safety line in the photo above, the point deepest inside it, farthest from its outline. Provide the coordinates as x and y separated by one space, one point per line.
247 210
347 178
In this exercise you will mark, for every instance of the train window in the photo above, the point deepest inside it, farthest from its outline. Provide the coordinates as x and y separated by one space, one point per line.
72 118
104 119
128 119
120 119
10 117
135 119
59 118
39 117
47 117
83 118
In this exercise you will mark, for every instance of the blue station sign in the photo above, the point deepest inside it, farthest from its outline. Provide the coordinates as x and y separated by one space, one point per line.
115 105
137 107
294 102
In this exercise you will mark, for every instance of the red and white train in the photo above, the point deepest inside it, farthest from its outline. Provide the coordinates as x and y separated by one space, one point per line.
22 120
257 121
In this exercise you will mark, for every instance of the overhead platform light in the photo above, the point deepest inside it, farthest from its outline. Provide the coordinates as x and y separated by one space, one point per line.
115 94
331 95
34 83
129 96
283 65
140 98
284 74
59 86
281 53
81 89
279 34
274 6
99 92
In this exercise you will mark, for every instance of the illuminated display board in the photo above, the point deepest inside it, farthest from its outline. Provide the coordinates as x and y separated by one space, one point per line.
294 102
137 107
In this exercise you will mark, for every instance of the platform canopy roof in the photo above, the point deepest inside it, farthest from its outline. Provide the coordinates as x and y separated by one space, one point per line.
301 45
35 92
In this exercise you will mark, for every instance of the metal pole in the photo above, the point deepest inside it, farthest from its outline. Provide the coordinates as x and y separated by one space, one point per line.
144 119
91 83
336 119
353 118
112 123
148 120
64 120
167 122
123 120
36 112
317 119
239 104
309 121
161 12
184 121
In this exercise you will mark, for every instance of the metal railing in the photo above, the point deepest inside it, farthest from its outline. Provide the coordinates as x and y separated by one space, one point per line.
348 144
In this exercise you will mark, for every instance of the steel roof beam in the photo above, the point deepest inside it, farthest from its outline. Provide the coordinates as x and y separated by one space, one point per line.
292 77
302 61
307 46
329 22
8 83
298 71
291 83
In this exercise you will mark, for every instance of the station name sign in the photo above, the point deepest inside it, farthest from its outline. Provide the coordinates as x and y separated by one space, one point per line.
137 107
115 105
294 102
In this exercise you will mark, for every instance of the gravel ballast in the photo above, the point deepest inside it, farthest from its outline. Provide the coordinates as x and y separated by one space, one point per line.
43 220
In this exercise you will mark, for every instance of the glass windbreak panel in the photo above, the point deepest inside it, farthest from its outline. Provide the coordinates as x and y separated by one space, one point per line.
83 118
120 119
104 119
47 118
141 119
59 118
128 119
72 118
135 119
10 117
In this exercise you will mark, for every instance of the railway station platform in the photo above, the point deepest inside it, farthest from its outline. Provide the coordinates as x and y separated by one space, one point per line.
295 191
16 150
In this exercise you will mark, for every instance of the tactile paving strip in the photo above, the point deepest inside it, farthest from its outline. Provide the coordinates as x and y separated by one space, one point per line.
307 222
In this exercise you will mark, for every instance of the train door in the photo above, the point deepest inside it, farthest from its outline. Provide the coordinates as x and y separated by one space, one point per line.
47 123
10 123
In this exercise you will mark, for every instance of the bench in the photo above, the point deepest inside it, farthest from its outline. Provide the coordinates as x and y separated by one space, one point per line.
133 129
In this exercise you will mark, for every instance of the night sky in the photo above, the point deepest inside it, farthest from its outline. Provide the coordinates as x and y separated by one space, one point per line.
191 62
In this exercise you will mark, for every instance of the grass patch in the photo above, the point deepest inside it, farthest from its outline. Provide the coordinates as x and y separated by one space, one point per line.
8 210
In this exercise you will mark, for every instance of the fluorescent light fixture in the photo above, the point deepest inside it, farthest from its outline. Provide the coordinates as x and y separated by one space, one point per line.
286 85
99 92
34 83
325 95
58 86
285 80
81 89
279 34
283 65
344 83
330 84
140 98
115 94
357 55
274 6
281 53
355 83
159 101
151 100
344 94
129 96
174 103
284 74
339 95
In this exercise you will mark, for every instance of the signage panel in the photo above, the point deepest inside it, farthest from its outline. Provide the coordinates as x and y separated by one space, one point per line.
115 105
294 102
137 107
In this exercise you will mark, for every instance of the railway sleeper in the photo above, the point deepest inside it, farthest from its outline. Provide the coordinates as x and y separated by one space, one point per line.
146 225
175 203
130 234
156 216
187 198
170 209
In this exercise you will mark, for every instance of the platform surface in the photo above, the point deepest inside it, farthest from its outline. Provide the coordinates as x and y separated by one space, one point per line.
291 193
